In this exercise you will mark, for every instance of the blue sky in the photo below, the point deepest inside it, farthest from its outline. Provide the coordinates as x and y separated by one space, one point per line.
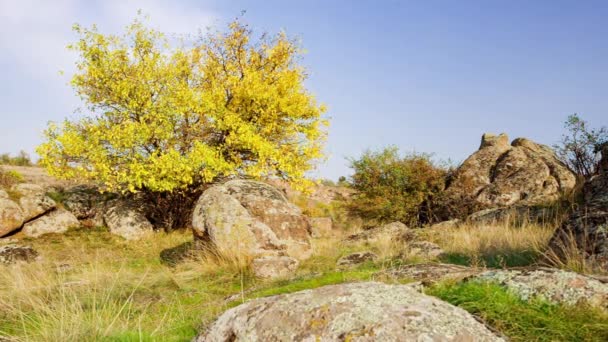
427 76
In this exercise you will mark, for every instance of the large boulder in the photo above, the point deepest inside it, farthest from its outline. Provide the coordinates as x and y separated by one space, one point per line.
57 221
367 311
271 266
500 174
253 218
126 219
33 200
11 216
83 200
587 227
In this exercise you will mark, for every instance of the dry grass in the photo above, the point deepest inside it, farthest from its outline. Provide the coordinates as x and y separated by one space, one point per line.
495 245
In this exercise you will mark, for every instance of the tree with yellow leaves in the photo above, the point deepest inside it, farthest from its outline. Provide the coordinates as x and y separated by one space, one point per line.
167 120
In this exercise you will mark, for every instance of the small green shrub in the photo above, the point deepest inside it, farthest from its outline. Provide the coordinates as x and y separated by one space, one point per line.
392 187
519 320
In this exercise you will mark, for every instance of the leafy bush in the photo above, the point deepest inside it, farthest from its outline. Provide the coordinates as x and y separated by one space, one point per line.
391 187
22 159
167 121
579 146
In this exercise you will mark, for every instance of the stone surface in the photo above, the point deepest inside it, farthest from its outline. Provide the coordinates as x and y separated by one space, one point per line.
517 214
554 285
357 258
321 226
11 216
10 254
254 218
3 194
446 224
271 266
83 201
125 219
33 200
395 231
499 174
586 229
348 312
428 273
57 221
425 250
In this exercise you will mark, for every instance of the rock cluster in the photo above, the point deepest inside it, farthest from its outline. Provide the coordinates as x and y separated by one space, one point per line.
29 207
587 227
367 311
500 174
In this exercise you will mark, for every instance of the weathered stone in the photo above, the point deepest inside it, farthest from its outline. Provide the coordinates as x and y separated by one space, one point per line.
357 258
10 254
499 174
395 231
271 266
3 194
348 312
33 200
553 285
428 273
125 219
586 229
11 216
425 250
83 201
248 217
321 226
57 221
446 224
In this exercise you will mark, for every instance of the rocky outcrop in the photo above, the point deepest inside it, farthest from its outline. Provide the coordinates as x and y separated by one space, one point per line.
249 217
33 200
10 254
395 231
586 229
56 222
355 259
271 266
126 219
348 312
11 216
500 174
425 250
553 285
84 201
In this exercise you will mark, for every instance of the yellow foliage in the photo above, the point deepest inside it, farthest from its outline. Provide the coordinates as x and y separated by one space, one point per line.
167 118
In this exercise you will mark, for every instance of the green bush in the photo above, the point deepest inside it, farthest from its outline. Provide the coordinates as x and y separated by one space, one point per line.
392 187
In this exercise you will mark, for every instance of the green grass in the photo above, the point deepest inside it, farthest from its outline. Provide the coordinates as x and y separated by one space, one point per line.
536 320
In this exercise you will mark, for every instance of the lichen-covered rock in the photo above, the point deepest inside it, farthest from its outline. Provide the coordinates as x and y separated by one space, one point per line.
499 174
11 216
125 219
33 200
517 214
271 266
57 221
10 254
395 231
83 201
254 218
3 194
348 312
553 285
428 273
357 258
424 249
587 227
321 226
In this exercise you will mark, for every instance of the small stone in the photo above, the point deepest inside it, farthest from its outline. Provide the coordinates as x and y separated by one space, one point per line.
274 266
10 254
357 258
